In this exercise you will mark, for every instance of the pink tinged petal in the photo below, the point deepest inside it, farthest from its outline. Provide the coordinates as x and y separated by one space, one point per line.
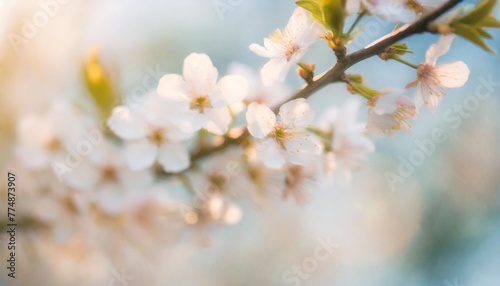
219 119
229 90
302 150
296 114
452 75
140 154
127 125
274 71
440 48
260 120
429 96
274 45
271 154
174 157
200 74
173 87
380 124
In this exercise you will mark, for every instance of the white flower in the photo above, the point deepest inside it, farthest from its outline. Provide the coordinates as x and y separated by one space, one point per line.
400 10
285 49
220 179
200 93
44 138
349 144
154 132
271 95
389 112
286 136
105 171
433 80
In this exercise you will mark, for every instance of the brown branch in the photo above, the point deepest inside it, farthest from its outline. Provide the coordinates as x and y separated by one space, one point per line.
336 73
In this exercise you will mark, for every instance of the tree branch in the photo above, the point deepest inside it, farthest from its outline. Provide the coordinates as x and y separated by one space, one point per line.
336 73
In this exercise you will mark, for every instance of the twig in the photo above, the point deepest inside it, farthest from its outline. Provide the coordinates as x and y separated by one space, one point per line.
336 73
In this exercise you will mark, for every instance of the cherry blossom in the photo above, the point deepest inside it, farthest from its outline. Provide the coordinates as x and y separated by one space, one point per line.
199 92
45 138
155 131
285 48
346 137
398 10
433 80
285 136
389 112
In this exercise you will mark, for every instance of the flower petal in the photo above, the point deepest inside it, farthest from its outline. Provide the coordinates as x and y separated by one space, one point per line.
229 90
127 125
439 49
302 150
219 120
174 157
173 86
200 74
260 50
260 120
453 75
140 154
274 71
271 154
296 114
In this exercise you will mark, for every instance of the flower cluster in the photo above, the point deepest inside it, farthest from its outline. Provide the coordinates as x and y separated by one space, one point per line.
199 145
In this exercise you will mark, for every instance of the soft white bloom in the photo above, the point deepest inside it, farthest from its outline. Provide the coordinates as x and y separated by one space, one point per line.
301 180
154 132
286 136
433 80
45 138
399 10
389 112
271 95
285 48
220 180
105 171
349 144
199 92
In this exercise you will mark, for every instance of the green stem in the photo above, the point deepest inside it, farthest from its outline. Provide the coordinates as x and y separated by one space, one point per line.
396 58
360 16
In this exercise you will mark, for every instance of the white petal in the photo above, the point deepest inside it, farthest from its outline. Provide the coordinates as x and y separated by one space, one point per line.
127 125
173 86
260 120
200 74
274 71
296 114
174 157
453 75
439 49
230 90
302 150
426 95
219 120
271 154
299 23
260 50
140 154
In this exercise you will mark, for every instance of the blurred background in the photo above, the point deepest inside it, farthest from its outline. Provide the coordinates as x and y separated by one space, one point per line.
438 226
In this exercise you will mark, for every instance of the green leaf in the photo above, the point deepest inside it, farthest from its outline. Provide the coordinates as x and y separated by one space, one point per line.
470 34
489 22
334 14
484 34
481 11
